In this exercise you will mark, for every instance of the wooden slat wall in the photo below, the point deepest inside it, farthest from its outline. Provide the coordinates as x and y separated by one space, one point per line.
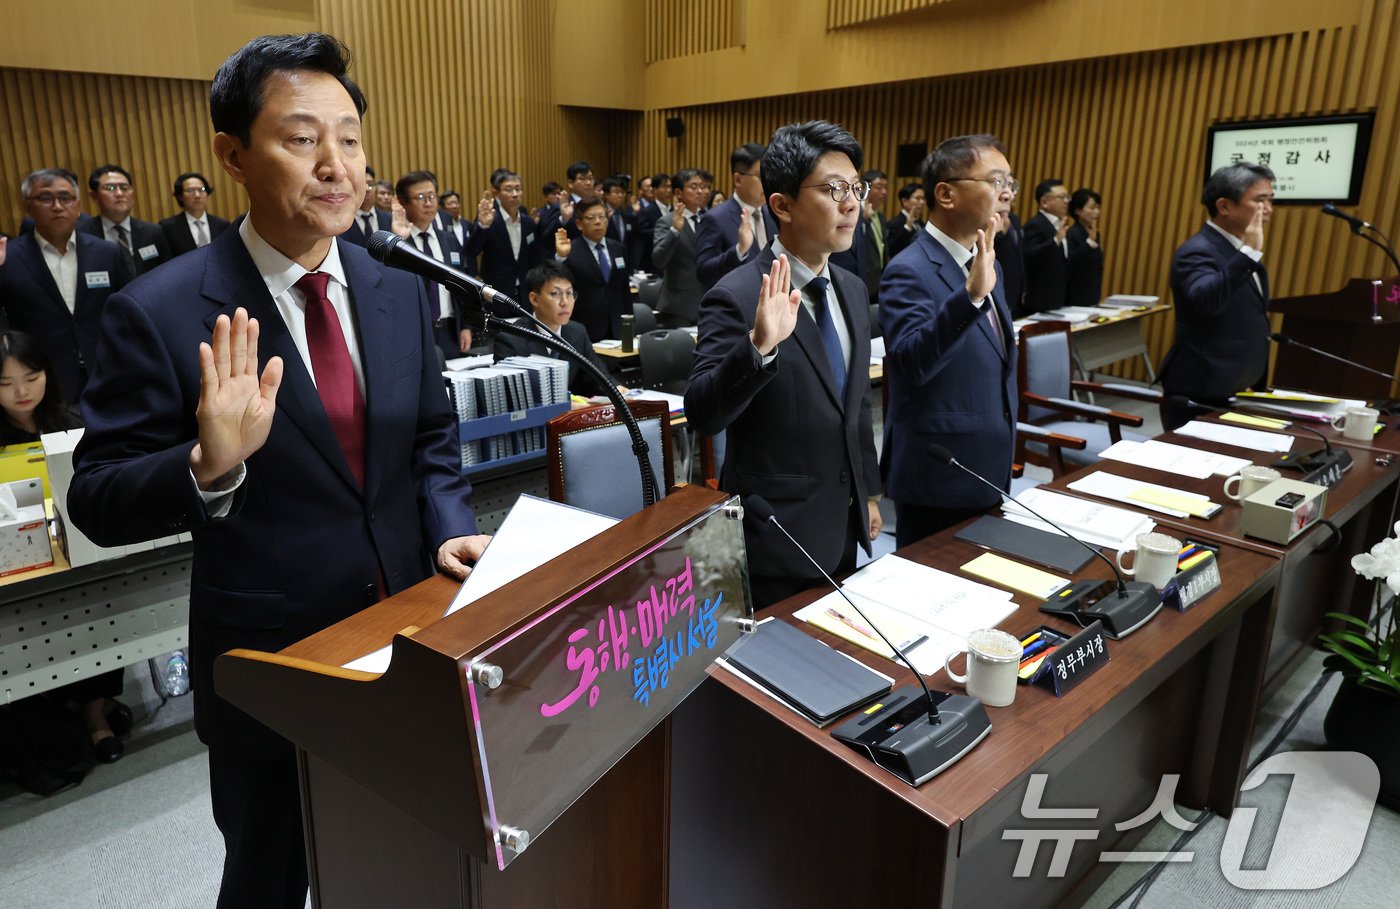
1131 127
678 29
841 13
155 128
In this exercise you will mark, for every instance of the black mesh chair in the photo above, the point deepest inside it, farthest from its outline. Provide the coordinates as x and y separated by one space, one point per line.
666 355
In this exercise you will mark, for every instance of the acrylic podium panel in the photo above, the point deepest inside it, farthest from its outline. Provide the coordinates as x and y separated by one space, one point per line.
586 680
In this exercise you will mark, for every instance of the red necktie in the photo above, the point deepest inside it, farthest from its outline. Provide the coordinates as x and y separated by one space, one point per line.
335 374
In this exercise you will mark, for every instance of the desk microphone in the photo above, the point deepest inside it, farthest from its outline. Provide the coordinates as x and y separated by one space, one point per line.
1357 225
1122 606
913 737
1281 338
1325 466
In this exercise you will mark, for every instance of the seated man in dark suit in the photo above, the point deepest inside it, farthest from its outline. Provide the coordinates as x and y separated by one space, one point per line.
673 251
598 265
417 193
1221 290
504 237
950 356
552 298
740 227
115 193
275 394
369 218
56 280
1045 250
193 227
905 226
782 366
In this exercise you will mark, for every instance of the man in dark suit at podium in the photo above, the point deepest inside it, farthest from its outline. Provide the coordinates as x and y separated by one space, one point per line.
309 449
1221 291
782 364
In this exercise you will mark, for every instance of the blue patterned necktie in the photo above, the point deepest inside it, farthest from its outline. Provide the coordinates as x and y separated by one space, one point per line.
827 326
603 264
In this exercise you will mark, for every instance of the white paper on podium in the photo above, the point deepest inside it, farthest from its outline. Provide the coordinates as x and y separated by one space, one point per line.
1177 459
1094 522
1111 486
535 531
1252 439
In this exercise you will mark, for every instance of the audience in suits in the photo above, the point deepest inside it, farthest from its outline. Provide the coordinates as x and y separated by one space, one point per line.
1221 290
1084 283
549 194
1010 250
1045 250
417 193
115 192
597 265
55 280
369 218
305 505
673 251
552 298
193 227
950 354
658 209
780 366
873 213
740 227
903 227
504 238
622 222
383 196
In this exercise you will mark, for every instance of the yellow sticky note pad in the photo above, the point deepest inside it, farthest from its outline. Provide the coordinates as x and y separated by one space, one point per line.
1247 420
1015 576
1200 508
1285 396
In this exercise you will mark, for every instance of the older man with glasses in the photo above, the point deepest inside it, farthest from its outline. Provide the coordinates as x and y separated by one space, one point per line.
55 281
193 227
115 192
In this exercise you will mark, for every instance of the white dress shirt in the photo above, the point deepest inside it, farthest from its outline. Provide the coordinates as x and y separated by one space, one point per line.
63 265
444 300
195 225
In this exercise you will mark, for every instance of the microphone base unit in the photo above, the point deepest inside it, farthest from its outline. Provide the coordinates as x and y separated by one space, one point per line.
899 736
1087 601
1322 467
1388 407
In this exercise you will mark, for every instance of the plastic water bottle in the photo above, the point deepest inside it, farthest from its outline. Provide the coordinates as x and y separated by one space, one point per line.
177 675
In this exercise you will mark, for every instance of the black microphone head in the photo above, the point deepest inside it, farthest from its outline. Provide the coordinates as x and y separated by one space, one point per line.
381 242
1281 338
760 508
1329 209
941 454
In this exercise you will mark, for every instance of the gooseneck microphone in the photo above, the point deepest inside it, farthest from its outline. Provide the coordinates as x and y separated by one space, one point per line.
1122 611
1357 228
764 512
1279 337
391 249
1357 225
913 736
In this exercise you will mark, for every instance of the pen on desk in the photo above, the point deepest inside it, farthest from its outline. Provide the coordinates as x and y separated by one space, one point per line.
1036 657
1030 668
850 623
1035 648
1192 562
1030 640
1186 553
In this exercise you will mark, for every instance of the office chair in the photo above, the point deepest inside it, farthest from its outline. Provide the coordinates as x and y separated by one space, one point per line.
666 356
643 319
649 292
591 464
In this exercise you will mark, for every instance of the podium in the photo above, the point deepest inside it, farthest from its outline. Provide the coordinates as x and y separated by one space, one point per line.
515 752
1360 322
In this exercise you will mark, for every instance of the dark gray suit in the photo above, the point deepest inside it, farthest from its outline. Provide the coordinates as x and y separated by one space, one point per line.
673 252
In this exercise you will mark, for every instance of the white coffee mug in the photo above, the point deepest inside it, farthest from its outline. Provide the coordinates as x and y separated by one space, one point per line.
1154 560
1250 479
1358 423
993 658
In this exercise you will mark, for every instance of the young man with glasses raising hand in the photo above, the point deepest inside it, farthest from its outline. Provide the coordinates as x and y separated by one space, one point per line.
781 365
54 281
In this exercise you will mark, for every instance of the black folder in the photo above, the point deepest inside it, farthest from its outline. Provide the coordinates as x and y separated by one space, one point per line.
1039 546
820 683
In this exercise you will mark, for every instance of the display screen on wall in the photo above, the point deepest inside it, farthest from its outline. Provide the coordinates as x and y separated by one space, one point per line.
1314 159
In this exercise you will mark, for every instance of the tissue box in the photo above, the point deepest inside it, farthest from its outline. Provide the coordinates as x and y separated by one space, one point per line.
24 539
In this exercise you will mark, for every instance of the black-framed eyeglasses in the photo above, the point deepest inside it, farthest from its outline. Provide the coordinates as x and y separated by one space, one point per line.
64 199
195 190
116 187
998 183
840 189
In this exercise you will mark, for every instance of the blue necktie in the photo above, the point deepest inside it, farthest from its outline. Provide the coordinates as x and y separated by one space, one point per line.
603 264
434 301
827 326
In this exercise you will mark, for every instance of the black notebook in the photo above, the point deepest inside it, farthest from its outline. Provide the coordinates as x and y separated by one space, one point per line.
1042 547
818 682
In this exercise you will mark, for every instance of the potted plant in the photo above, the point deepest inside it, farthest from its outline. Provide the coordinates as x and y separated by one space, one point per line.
1365 716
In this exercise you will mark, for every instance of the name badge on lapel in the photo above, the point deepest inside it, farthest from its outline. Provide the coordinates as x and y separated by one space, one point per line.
148 252
454 258
530 238
619 262
96 279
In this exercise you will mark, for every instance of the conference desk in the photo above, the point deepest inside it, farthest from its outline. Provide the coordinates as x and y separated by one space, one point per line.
770 811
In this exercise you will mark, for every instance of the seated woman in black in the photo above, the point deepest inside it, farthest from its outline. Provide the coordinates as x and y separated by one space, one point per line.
29 407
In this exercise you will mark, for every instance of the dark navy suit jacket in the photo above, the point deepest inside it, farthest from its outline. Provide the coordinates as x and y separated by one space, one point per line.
601 304
951 382
1222 327
149 247
500 267
716 242
791 438
32 303
177 231
304 545
356 234
1047 268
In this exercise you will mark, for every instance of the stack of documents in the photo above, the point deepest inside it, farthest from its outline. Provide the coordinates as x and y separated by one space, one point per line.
1177 503
1131 301
927 613
1300 405
1178 459
1094 522
1252 439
